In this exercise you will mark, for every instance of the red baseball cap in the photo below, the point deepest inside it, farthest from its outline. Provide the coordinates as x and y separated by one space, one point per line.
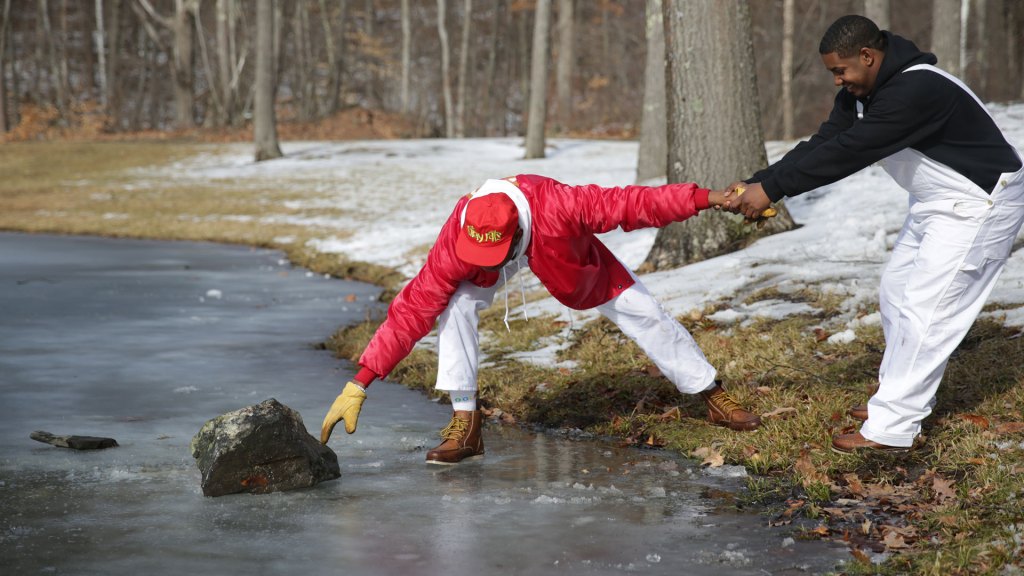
486 235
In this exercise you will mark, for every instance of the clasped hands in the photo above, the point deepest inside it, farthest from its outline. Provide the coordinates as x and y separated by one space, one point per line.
750 200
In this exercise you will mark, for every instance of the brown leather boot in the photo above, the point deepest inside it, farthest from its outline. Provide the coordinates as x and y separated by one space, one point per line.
853 443
724 410
860 412
462 439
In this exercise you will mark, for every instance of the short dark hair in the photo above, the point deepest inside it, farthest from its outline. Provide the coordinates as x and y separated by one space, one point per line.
847 35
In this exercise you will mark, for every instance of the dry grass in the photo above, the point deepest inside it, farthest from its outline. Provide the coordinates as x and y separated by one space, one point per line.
956 501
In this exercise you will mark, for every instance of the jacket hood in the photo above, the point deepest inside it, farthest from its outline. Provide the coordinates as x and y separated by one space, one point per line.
900 54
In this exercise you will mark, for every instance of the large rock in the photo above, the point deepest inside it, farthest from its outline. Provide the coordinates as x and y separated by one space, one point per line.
259 449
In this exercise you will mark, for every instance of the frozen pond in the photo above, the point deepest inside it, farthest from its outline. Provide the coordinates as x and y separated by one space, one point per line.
145 341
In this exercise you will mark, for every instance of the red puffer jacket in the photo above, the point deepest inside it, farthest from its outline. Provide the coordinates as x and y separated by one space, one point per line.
575 267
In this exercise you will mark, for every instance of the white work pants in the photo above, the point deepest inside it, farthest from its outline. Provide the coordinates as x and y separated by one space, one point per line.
666 342
946 260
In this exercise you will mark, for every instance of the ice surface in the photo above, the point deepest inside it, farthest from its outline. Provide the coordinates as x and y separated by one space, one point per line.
100 337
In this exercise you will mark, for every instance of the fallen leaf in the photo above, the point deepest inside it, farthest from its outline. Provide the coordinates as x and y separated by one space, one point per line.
779 412
860 556
821 530
943 489
763 390
712 457
1010 428
854 484
866 527
808 471
976 461
979 421
350 298
653 371
654 442
821 334
893 540
670 414
564 371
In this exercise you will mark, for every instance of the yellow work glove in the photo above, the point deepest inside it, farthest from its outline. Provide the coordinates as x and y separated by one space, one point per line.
346 407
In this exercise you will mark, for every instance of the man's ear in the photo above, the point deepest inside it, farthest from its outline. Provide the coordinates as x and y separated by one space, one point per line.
867 56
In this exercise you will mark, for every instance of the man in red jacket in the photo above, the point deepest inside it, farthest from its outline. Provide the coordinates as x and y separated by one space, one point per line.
550 227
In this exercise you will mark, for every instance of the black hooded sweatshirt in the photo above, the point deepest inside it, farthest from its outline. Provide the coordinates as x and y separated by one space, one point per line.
924 111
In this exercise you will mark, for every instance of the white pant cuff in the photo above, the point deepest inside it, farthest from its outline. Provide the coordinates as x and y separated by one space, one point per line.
897 440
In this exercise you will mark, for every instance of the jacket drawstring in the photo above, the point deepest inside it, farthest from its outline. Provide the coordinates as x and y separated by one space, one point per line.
522 292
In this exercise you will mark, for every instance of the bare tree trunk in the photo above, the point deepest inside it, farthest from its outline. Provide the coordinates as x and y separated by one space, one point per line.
331 104
100 38
460 105
981 53
491 69
714 128
112 73
946 34
564 64
264 121
652 157
446 83
182 26
965 22
5 26
538 81
878 12
406 48
788 26
225 59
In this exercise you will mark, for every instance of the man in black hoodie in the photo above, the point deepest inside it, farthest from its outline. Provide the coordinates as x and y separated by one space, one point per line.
966 185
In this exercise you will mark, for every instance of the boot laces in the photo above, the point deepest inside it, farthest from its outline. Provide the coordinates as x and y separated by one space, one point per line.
455 430
725 402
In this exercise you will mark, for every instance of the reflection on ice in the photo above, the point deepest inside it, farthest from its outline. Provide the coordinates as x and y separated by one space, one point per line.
109 349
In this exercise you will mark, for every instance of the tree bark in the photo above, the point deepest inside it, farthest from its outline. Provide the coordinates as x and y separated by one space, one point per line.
652 157
878 12
182 27
946 34
446 82
5 25
112 73
981 51
264 119
406 51
714 128
538 81
788 27
564 32
100 38
460 105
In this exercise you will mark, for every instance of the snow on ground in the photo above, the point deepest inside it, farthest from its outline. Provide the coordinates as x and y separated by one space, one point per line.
394 196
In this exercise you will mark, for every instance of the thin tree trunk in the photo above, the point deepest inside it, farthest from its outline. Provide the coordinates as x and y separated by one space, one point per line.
460 105
981 53
100 38
225 16
538 81
5 25
946 34
788 27
406 47
446 84
652 157
331 102
564 64
113 95
965 22
264 121
714 128
878 12
491 70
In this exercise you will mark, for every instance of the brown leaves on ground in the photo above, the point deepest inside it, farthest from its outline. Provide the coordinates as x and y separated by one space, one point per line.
876 516
808 472
712 458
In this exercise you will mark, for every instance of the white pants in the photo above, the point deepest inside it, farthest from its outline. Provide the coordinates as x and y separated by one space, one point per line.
944 265
666 342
